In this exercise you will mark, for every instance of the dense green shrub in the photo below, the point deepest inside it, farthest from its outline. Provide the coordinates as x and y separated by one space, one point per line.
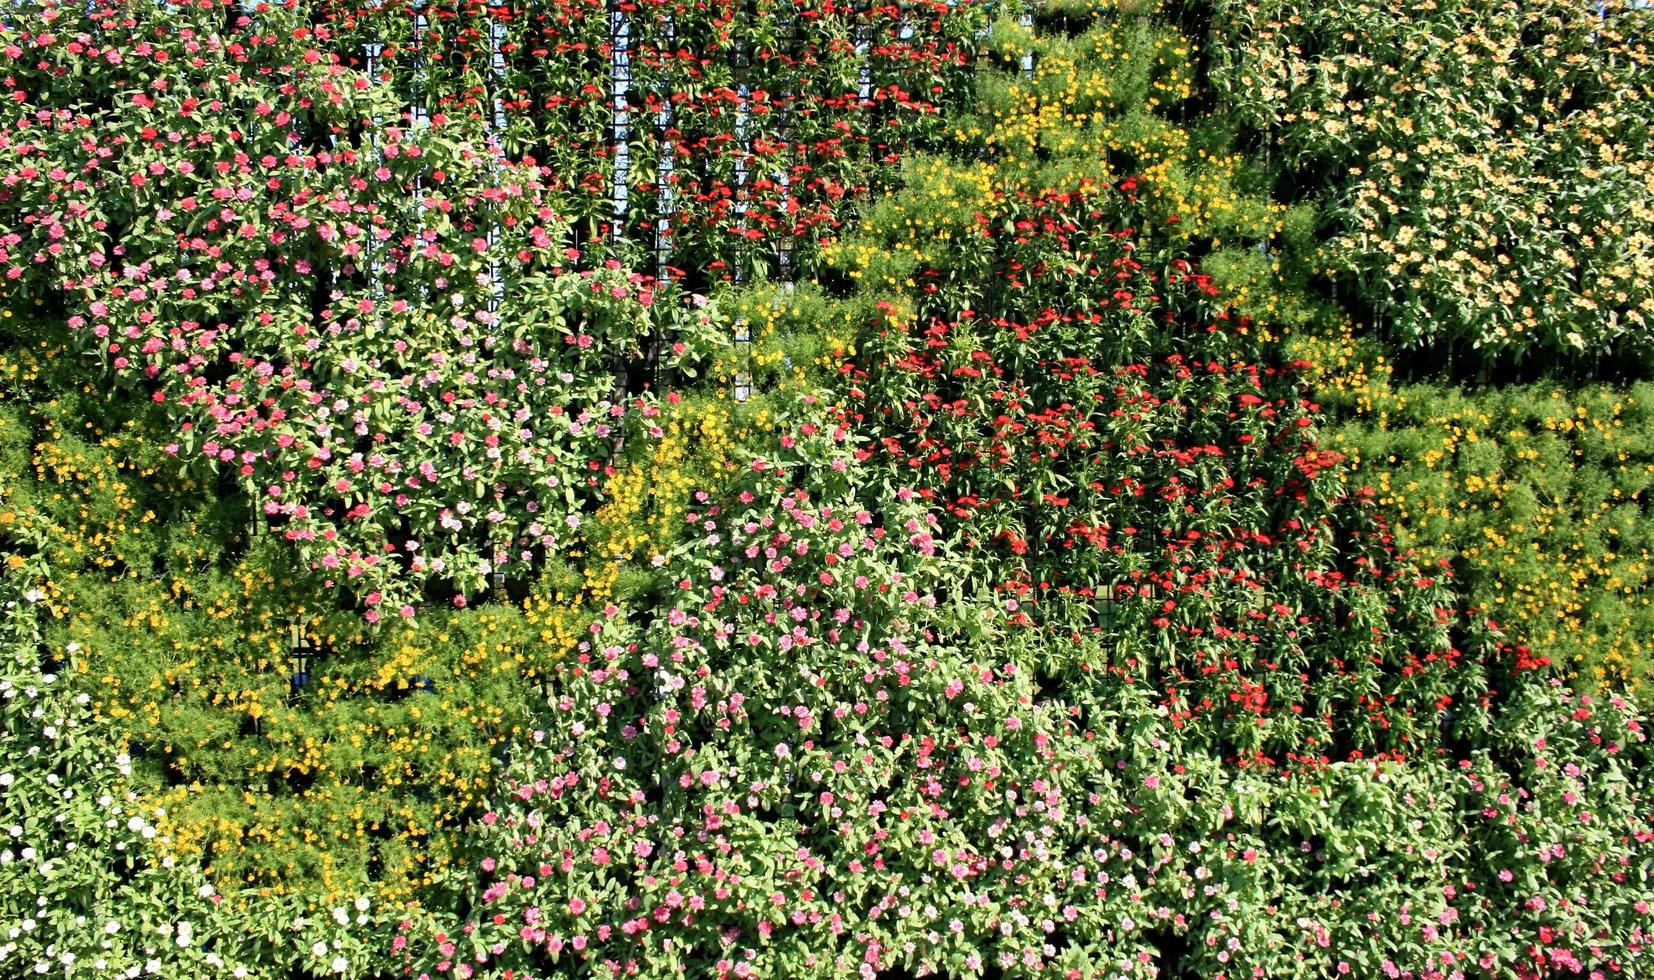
995 600
1537 496
1485 167
1120 456
329 785
316 299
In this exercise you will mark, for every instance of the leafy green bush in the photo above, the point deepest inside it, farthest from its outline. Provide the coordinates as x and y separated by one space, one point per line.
316 298
1537 497
994 601
327 785
1484 166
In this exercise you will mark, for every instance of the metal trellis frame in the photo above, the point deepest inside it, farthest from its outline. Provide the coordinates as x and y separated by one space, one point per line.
620 85
740 60
666 203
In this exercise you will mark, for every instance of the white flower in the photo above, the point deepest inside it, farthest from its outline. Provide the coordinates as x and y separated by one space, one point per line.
111 927
340 964
362 904
341 916
205 891
318 948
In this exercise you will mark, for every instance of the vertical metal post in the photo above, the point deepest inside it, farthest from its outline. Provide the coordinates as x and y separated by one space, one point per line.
496 278
620 84
620 135
783 177
257 525
496 64
1026 19
739 58
863 40
372 51
419 114
299 652
668 161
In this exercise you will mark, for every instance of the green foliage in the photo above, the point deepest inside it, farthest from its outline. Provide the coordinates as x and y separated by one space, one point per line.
1537 496
183 617
1485 166
1071 590
340 344
82 892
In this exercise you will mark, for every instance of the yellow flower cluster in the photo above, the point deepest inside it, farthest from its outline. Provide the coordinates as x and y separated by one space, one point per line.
1099 108
181 628
645 501
1495 179
333 780
1534 494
